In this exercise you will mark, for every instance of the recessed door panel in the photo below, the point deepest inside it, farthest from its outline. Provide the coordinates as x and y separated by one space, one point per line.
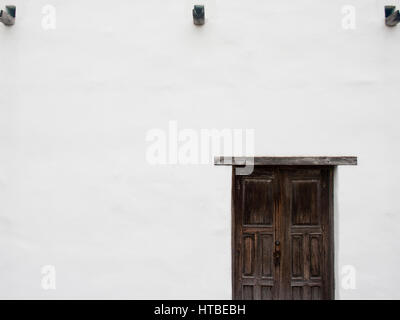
248 255
305 202
266 244
258 205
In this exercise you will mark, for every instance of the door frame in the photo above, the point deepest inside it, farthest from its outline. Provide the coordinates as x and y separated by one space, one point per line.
331 162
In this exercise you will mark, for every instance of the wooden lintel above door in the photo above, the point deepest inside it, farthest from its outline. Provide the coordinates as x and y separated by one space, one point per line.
286 161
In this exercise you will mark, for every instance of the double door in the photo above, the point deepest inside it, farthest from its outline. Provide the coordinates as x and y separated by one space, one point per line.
282 244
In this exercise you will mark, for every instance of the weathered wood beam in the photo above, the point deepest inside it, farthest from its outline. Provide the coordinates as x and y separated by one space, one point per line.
286 161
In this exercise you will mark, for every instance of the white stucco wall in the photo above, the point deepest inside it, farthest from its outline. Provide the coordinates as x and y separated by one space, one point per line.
77 102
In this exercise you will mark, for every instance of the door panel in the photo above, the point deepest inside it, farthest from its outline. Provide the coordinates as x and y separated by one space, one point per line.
292 205
306 219
254 236
266 247
258 201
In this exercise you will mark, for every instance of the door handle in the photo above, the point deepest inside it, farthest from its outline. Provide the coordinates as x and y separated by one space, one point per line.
277 253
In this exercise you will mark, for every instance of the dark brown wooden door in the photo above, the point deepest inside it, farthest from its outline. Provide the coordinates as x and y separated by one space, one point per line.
283 233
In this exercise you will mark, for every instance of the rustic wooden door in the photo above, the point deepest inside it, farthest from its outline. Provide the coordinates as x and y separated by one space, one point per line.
283 233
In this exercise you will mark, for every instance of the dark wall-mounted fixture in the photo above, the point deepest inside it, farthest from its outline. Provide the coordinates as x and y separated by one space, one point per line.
392 16
8 16
198 15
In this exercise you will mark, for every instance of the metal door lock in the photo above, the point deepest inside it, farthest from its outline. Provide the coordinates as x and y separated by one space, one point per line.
277 253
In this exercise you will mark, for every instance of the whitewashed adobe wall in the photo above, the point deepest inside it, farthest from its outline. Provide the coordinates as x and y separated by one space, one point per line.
77 101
